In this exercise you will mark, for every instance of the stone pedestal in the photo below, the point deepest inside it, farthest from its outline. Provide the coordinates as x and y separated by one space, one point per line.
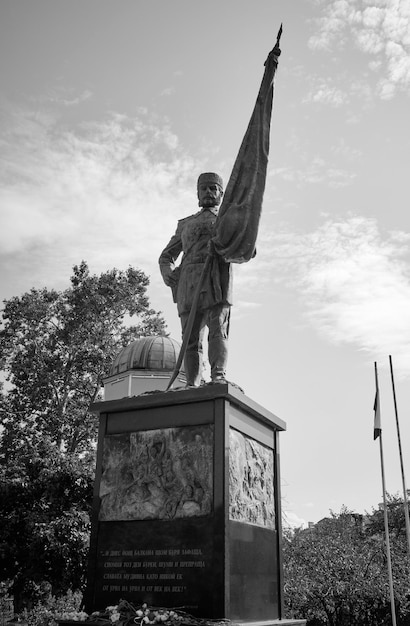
187 505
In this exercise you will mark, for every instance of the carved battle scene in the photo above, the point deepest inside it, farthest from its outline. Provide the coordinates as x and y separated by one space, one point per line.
157 474
251 481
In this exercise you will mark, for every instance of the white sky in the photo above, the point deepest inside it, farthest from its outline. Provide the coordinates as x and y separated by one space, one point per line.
109 110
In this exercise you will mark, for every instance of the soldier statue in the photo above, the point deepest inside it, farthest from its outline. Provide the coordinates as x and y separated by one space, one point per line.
215 237
193 238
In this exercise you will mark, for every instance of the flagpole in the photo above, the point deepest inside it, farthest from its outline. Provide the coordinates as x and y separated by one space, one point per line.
405 501
386 519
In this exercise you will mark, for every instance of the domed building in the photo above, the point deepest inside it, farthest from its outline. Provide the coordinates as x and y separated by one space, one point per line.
144 365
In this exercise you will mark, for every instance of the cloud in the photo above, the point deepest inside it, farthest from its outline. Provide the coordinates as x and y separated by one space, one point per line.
316 172
65 96
74 101
331 26
327 94
109 192
354 283
381 30
243 308
118 182
291 520
168 91
248 305
345 151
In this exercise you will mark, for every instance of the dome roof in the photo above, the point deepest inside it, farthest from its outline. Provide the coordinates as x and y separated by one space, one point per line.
147 353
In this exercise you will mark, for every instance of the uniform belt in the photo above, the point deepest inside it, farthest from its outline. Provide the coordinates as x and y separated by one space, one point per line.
195 260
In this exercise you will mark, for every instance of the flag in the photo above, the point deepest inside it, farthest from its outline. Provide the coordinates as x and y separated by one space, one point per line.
377 429
377 422
238 219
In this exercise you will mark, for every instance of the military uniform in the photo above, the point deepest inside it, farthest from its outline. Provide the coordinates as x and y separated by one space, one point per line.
192 237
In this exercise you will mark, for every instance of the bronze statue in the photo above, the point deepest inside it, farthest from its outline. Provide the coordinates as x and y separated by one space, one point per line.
193 238
214 238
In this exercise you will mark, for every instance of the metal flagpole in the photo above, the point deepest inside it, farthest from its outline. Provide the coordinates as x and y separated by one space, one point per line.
378 433
405 501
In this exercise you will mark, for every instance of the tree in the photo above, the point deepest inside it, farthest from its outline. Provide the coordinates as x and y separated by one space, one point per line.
336 574
396 517
55 348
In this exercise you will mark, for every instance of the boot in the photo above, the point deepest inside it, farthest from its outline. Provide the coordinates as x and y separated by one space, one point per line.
193 369
218 357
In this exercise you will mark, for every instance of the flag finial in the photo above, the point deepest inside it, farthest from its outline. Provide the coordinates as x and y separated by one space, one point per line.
275 52
279 36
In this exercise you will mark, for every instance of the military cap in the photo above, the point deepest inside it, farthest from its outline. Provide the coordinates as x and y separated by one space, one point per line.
210 177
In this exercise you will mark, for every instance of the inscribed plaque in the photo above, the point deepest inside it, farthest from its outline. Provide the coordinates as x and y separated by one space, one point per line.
157 474
251 485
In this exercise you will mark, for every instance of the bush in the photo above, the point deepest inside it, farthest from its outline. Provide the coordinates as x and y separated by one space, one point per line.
53 608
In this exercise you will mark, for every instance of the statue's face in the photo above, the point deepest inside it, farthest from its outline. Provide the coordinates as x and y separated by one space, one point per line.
209 194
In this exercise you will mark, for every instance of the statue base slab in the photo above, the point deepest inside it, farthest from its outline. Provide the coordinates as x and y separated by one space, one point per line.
186 509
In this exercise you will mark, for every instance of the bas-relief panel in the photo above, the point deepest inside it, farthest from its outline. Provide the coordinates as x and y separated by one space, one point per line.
251 485
157 474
